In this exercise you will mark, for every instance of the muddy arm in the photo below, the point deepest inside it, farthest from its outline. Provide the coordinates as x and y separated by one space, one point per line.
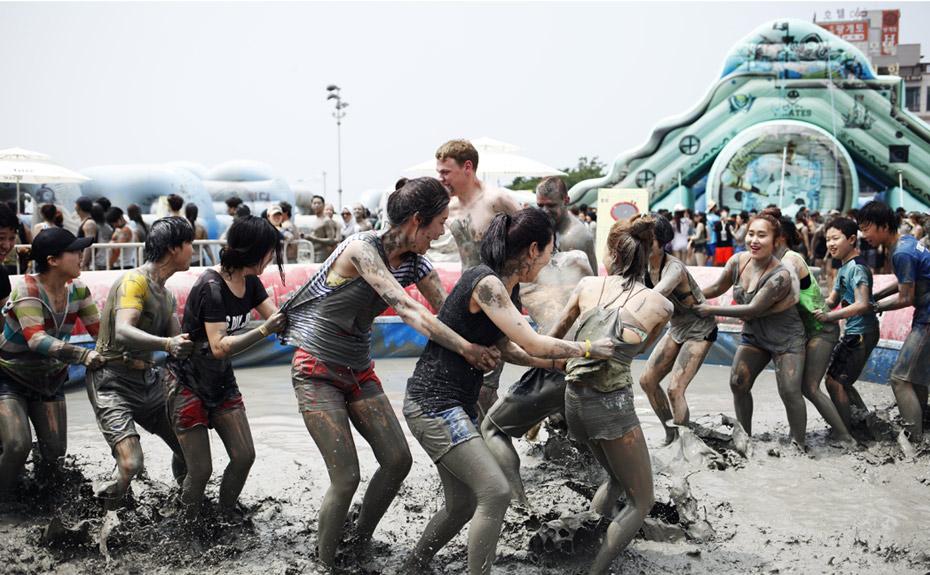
724 280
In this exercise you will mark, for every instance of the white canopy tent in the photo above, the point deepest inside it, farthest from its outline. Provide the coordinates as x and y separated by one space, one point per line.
28 167
496 160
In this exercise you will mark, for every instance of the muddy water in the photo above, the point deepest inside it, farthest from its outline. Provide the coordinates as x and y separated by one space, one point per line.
827 511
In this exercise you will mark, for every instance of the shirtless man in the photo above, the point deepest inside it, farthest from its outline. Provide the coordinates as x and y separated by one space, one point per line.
570 232
473 205
323 232
540 391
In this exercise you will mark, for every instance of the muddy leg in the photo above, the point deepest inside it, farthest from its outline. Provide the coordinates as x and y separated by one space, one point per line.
789 372
460 504
50 420
659 365
16 438
909 404
630 466
233 429
128 454
501 446
840 400
195 443
375 420
165 431
748 362
816 361
689 361
333 436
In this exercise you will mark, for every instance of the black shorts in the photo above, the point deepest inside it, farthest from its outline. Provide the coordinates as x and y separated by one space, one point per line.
539 394
820 249
850 356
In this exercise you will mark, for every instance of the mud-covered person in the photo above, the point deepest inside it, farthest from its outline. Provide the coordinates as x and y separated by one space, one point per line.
570 232
540 392
439 406
140 317
684 347
474 203
35 351
910 262
321 231
329 321
201 391
853 292
9 225
822 337
772 328
599 406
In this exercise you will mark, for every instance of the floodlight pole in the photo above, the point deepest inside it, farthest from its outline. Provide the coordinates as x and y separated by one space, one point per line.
339 114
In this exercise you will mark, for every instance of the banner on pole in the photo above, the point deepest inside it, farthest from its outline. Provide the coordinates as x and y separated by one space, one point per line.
616 204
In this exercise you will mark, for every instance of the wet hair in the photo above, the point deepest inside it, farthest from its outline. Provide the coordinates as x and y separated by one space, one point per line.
175 202
8 217
508 235
459 150
166 233
191 211
248 242
629 243
48 212
552 187
424 196
663 230
134 211
233 202
98 213
846 226
773 217
242 211
114 214
789 231
287 208
878 214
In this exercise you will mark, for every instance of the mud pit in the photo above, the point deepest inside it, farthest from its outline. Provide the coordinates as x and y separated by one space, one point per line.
779 511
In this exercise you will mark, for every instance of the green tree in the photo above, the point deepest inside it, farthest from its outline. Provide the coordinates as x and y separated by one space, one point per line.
585 170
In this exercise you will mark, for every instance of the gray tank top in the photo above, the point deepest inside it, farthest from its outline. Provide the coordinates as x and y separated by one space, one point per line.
777 333
685 325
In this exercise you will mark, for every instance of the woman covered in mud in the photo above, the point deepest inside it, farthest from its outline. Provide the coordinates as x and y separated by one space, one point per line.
35 353
685 345
439 406
201 391
599 398
330 319
772 328
822 336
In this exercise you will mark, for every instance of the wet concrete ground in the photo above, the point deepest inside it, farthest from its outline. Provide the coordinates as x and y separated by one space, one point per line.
781 511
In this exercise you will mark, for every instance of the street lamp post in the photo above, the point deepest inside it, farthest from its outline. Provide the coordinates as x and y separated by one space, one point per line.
339 114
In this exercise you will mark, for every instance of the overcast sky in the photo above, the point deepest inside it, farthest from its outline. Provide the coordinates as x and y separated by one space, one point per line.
114 83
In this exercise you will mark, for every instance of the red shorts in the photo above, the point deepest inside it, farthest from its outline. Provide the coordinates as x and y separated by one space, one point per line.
187 410
723 255
324 386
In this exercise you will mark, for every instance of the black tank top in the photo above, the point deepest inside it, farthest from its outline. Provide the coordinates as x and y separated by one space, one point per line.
442 378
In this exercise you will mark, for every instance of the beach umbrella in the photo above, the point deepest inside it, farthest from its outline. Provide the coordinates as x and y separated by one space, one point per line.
27 167
496 160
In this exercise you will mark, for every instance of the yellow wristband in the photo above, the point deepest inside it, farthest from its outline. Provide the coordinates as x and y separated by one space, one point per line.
167 343
587 352
263 330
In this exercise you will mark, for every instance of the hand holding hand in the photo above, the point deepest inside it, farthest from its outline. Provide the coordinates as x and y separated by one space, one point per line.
180 346
94 360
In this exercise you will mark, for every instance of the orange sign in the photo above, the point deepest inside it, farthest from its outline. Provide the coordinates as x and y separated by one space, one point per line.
890 32
849 31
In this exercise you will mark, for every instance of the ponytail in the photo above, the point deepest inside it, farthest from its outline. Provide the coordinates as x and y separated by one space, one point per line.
508 235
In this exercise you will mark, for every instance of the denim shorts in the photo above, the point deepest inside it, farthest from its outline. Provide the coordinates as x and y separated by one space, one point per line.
439 432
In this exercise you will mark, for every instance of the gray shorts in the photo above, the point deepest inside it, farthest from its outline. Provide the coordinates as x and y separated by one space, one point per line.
592 414
439 432
830 331
539 394
122 397
914 356
492 378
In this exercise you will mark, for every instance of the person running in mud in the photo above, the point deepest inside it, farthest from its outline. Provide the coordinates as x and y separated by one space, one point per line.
684 347
201 391
329 320
599 398
772 328
540 392
35 353
474 203
140 317
910 261
821 336
853 289
439 405
570 233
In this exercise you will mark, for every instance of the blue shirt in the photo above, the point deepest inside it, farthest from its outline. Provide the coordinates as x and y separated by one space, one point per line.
911 263
853 274
712 219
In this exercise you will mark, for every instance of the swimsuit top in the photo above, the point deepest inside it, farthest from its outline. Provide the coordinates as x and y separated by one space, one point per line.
606 375
683 311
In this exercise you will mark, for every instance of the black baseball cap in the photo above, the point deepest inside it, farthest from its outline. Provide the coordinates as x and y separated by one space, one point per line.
54 241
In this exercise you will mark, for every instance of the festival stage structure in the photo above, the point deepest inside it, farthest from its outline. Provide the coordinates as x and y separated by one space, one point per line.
797 117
